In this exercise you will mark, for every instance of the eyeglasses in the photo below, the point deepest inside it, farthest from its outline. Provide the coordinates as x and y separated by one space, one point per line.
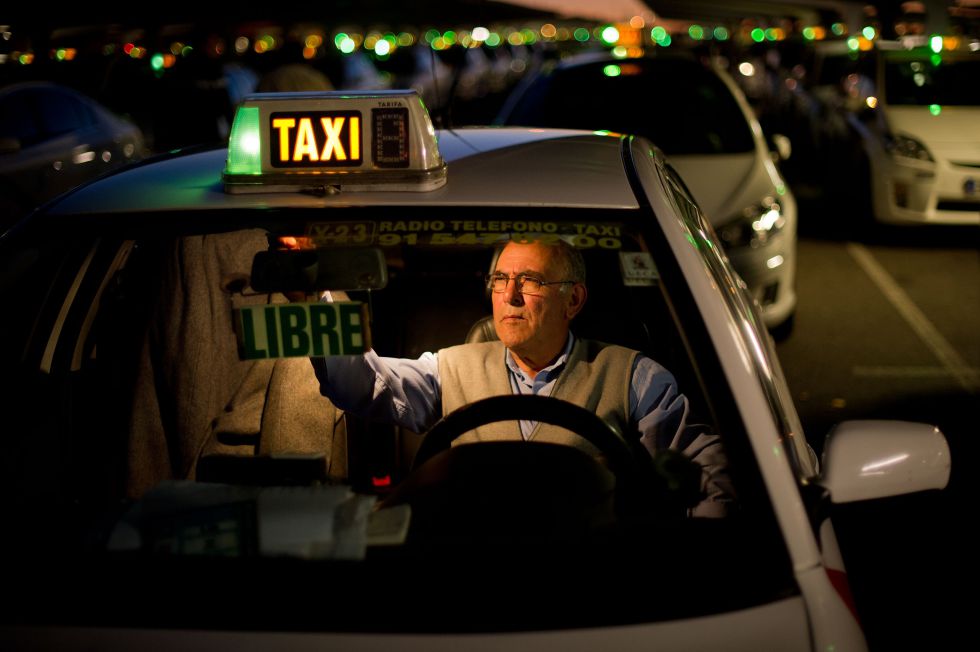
524 283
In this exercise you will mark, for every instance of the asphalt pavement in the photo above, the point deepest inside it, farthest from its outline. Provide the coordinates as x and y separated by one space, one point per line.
888 327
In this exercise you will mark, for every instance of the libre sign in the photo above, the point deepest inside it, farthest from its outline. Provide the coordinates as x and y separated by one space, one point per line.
292 330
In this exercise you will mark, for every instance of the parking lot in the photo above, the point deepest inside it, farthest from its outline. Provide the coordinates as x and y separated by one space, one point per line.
888 327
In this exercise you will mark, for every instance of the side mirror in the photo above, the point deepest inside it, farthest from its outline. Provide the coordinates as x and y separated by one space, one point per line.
780 147
864 460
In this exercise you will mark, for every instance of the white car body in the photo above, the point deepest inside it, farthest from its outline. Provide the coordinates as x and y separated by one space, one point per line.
938 180
943 191
510 169
721 182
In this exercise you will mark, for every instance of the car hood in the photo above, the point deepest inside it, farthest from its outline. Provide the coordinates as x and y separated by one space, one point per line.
725 184
952 132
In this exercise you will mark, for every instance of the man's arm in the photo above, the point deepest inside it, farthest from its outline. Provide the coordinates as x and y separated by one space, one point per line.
393 390
661 414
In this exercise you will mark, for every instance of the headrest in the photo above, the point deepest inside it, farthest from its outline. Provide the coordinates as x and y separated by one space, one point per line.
482 331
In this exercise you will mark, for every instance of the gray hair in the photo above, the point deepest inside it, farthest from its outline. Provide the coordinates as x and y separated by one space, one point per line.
571 265
571 262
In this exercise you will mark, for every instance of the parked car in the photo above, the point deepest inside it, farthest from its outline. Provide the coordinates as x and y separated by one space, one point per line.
915 114
53 138
702 122
168 446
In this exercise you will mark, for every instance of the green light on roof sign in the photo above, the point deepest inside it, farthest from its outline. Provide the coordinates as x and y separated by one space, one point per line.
244 144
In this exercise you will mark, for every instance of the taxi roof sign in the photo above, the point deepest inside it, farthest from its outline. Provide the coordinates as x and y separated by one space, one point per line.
336 140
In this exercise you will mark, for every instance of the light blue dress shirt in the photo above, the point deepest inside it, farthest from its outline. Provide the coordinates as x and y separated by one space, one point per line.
407 392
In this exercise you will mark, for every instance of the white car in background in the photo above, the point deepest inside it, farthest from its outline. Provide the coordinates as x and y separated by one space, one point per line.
701 120
917 114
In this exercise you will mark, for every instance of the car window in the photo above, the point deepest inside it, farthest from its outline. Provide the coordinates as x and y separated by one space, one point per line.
61 113
921 81
18 118
833 68
38 114
679 105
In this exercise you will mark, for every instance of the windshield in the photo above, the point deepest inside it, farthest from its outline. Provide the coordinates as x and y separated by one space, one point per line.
922 81
165 421
681 106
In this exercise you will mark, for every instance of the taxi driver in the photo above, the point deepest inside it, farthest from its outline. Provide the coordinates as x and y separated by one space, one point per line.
537 290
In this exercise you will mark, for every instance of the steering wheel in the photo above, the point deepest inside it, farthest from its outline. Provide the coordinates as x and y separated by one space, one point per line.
620 455
523 487
633 468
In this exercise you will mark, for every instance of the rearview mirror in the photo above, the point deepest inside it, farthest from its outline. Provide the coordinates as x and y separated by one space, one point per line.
311 270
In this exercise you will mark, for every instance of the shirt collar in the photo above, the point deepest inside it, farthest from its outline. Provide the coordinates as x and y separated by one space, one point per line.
552 370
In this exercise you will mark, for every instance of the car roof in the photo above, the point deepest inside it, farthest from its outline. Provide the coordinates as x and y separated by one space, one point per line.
605 56
570 169
18 87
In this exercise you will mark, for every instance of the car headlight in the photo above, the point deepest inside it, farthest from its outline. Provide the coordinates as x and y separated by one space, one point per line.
908 147
755 225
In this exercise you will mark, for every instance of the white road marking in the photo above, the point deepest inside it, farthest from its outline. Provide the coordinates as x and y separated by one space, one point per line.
944 352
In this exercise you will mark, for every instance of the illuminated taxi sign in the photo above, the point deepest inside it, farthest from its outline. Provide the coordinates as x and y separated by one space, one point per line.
302 330
324 138
381 140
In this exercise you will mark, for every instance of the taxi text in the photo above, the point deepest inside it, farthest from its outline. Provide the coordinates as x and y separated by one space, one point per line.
319 138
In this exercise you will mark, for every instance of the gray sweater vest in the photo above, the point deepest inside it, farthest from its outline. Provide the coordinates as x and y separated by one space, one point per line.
596 376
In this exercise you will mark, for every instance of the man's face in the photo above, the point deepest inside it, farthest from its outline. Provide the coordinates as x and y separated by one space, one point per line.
534 326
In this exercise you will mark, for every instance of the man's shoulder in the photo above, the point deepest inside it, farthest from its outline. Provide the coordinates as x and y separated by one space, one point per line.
470 349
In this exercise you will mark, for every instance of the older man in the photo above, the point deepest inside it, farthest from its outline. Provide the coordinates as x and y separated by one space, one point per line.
537 290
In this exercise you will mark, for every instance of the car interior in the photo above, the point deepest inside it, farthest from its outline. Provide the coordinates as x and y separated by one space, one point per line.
149 302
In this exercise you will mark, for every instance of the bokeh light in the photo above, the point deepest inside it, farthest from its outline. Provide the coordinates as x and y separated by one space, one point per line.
612 70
